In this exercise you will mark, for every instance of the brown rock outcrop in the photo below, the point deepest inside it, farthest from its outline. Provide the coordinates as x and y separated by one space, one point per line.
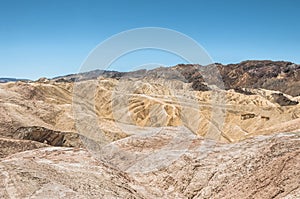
12 146
47 136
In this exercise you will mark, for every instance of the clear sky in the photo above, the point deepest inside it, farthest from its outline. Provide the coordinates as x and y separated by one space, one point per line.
53 37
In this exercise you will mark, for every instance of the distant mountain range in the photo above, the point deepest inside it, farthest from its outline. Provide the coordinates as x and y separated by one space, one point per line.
4 80
272 75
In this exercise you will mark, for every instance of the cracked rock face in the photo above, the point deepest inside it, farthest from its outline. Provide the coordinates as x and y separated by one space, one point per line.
261 167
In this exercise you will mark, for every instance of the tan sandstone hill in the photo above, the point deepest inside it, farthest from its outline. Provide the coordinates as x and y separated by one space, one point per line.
112 105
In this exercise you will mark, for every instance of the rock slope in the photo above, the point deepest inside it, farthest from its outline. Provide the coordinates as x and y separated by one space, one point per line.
261 167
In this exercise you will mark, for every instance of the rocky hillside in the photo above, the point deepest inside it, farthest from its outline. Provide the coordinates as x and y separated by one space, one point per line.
271 75
280 76
161 133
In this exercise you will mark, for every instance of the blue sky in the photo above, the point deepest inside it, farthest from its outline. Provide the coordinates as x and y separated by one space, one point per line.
53 37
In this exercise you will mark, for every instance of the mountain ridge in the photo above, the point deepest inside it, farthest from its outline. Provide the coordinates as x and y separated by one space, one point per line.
272 75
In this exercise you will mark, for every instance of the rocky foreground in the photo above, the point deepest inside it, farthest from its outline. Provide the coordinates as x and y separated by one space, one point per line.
162 133
262 167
